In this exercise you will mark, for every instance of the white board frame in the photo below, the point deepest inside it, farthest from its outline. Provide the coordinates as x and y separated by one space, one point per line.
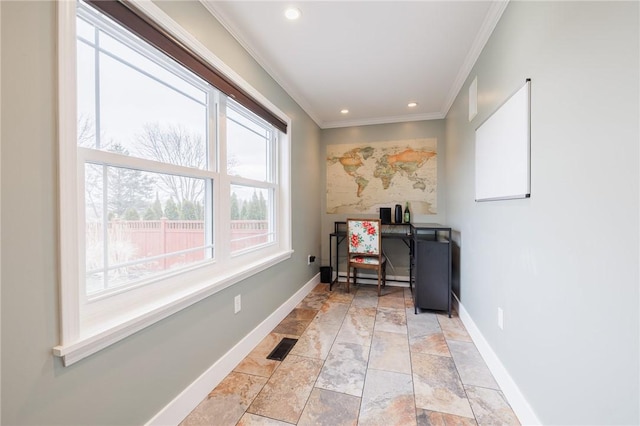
503 150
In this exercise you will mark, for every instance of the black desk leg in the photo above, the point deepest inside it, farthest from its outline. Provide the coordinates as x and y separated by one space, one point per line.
330 262
337 266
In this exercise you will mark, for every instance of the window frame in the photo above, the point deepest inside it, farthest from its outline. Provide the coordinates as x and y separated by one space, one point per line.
270 182
101 157
86 329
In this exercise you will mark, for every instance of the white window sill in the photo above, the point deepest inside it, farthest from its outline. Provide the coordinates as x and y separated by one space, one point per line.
89 344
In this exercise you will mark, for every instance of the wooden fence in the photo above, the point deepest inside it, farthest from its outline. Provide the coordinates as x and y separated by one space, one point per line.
149 238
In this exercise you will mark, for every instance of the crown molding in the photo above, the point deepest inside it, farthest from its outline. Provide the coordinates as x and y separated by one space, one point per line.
491 20
381 120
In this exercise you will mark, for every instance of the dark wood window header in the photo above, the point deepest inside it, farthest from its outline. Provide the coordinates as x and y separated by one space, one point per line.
129 17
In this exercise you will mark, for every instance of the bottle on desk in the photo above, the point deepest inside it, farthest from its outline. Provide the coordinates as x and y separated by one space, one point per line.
407 214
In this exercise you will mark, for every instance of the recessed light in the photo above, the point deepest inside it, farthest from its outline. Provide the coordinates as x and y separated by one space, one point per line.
292 13
412 104
344 111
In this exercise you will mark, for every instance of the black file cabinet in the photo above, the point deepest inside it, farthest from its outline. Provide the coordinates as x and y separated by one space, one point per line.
431 264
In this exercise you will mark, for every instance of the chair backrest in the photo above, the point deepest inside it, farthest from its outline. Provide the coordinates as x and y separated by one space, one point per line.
364 236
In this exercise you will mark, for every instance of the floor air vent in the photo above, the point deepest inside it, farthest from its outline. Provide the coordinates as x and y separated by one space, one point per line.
282 349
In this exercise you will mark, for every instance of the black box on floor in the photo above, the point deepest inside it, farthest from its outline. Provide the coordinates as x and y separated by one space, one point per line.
325 274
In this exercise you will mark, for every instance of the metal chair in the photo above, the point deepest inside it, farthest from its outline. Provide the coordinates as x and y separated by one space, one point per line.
365 249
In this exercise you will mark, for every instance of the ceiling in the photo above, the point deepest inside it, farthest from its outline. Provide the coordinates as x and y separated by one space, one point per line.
370 57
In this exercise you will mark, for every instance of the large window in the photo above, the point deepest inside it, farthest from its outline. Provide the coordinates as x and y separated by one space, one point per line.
143 143
175 184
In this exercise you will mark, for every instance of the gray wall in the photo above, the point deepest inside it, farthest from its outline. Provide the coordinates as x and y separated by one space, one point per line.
563 264
383 133
132 380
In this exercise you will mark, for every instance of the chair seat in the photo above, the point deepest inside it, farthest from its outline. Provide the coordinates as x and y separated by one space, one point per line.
366 260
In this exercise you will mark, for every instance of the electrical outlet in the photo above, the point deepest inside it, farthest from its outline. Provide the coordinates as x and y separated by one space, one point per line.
237 304
310 259
500 319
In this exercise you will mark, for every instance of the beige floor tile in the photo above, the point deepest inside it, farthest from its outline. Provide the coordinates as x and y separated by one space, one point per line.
392 291
470 365
366 296
391 301
437 385
331 409
434 418
387 399
391 320
432 344
344 369
226 404
490 407
316 340
313 300
340 296
322 288
254 420
357 326
283 397
390 352
408 303
422 323
296 322
332 312
453 328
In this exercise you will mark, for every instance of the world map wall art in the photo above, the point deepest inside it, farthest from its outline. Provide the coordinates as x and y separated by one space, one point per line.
361 178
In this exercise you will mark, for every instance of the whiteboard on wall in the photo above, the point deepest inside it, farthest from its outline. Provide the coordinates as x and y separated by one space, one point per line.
503 150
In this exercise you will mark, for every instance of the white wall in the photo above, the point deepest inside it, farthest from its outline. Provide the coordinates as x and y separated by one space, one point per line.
563 265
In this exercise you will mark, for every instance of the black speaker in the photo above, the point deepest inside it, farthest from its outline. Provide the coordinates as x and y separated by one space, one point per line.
385 215
326 273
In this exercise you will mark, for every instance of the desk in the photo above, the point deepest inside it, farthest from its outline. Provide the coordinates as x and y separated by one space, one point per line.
429 246
398 231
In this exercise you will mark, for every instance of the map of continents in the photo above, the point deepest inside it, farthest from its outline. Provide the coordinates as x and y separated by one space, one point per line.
361 178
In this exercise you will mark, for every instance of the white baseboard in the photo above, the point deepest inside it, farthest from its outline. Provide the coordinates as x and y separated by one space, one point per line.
509 388
174 412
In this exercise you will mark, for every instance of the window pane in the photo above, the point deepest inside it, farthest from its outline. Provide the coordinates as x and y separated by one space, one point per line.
86 96
149 119
94 239
155 223
248 148
85 30
140 105
136 60
251 217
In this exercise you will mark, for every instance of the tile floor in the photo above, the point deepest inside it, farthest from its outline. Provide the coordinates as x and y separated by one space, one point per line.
360 360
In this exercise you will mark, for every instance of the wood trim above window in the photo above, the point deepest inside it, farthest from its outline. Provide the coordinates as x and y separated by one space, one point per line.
128 16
